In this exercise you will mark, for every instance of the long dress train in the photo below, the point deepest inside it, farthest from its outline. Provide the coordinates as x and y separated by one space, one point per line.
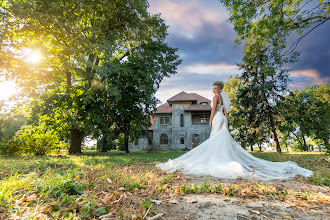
221 156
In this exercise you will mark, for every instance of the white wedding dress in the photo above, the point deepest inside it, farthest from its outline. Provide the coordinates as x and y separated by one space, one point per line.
221 156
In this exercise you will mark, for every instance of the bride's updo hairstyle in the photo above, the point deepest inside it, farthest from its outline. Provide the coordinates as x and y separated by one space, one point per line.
219 84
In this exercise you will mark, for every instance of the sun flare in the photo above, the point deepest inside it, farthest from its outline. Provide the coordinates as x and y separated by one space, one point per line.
7 88
33 57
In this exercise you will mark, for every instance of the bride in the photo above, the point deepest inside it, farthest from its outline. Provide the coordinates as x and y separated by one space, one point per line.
220 156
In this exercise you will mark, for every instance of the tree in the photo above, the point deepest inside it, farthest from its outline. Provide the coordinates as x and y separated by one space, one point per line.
307 114
284 17
264 28
247 135
84 45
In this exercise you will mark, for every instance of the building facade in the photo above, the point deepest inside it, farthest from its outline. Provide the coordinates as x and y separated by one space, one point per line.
181 123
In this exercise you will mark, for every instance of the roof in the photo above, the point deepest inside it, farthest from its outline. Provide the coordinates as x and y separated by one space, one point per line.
194 98
164 108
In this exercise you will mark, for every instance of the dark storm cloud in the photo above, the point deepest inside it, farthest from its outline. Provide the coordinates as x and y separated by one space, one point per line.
315 51
211 44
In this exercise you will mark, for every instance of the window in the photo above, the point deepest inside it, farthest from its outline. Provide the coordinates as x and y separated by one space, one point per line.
204 103
182 140
203 119
164 120
181 121
200 118
163 139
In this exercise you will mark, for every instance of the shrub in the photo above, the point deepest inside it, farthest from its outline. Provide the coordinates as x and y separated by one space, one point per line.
10 147
38 140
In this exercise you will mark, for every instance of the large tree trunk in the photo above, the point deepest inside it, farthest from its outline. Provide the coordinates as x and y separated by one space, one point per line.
305 145
126 141
105 143
76 140
251 147
272 125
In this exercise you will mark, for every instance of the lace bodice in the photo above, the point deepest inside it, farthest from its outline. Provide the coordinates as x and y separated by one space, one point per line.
219 107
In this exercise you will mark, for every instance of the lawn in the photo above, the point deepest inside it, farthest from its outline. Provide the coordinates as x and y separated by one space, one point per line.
94 184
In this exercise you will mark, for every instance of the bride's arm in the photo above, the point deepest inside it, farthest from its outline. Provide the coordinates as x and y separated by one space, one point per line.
214 107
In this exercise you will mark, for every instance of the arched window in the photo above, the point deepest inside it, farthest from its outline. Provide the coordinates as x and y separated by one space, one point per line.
182 140
195 140
181 121
163 139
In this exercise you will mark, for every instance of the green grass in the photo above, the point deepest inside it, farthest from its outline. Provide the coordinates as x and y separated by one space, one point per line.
71 186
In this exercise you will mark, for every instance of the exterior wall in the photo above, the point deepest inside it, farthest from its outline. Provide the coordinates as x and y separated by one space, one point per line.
142 145
162 129
174 131
177 130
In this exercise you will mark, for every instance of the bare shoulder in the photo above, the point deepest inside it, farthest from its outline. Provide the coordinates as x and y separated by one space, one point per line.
215 98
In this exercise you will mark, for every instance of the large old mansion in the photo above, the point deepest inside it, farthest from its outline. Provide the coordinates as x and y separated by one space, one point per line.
181 123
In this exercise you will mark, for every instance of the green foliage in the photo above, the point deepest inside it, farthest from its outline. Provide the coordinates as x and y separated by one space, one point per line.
102 62
106 143
10 147
38 139
146 204
306 113
69 187
264 27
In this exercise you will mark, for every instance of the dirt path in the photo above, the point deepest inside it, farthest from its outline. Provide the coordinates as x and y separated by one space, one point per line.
215 206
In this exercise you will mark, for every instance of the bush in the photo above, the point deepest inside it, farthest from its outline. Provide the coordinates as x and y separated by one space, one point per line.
38 140
10 147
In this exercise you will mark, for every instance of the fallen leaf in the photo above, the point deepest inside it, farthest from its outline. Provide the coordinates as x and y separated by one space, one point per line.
140 208
135 191
108 197
121 189
31 197
136 217
109 180
255 212
150 191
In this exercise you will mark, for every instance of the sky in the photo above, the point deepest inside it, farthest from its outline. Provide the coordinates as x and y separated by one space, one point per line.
205 41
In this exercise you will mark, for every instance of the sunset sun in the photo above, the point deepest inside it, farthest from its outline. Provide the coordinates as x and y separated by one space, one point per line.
33 57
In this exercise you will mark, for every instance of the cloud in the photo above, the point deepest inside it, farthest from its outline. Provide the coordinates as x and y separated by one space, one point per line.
188 17
215 68
189 82
310 75
205 42
315 52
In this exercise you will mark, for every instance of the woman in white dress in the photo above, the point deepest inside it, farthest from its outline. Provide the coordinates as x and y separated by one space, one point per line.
221 156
